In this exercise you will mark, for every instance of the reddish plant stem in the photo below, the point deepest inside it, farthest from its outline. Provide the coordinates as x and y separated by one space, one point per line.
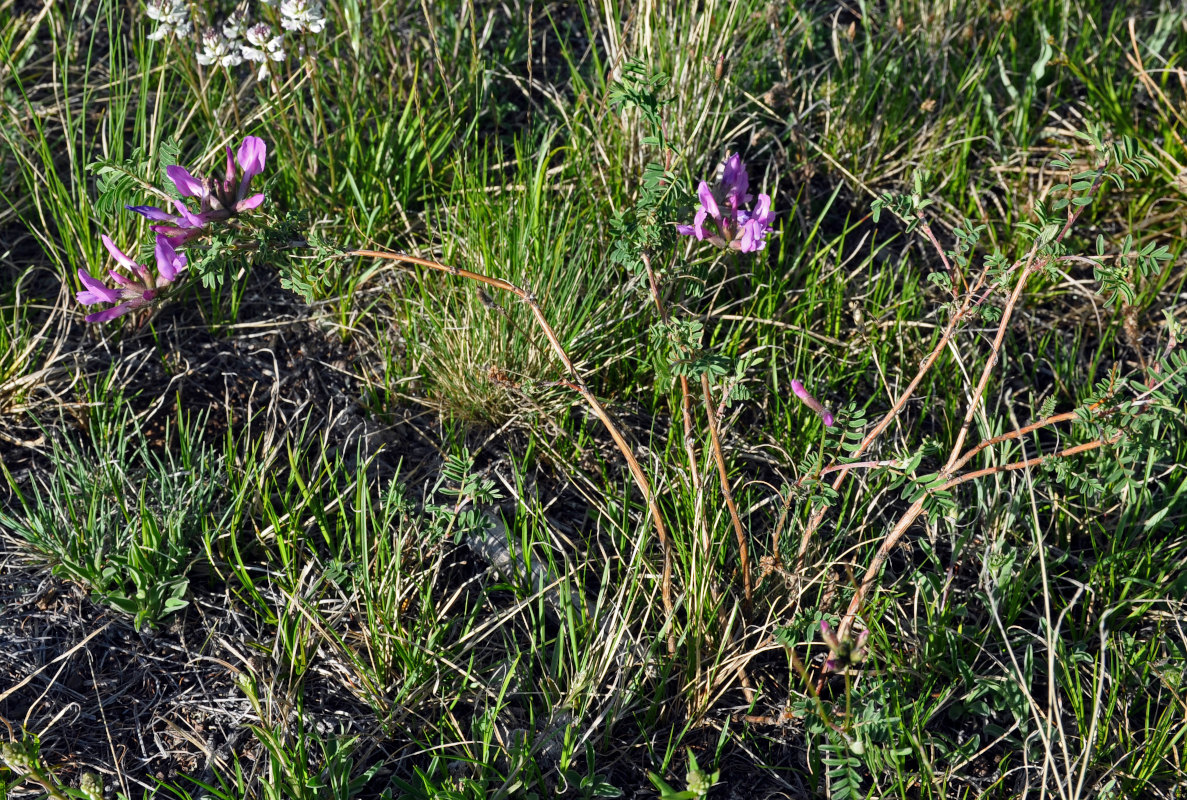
911 514
855 465
715 442
1055 419
719 457
1028 265
923 226
949 330
991 362
995 352
685 407
599 411
1030 462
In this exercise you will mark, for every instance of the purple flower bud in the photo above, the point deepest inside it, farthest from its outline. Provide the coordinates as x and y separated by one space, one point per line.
843 651
811 402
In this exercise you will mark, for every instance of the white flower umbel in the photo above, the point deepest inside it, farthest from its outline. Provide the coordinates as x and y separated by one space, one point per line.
171 16
262 47
217 49
234 24
302 15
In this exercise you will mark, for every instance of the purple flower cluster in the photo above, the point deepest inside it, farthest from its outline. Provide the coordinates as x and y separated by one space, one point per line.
720 217
140 289
218 200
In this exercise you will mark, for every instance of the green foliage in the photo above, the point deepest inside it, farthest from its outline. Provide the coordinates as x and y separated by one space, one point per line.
841 763
1117 275
308 276
464 518
639 88
125 182
697 780
589 785
351 586
122 519
906 207
845 436
218 259
645 229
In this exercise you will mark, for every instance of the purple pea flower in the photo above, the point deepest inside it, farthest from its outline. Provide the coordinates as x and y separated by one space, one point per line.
218 199
720 217
811 402
179 228
137 291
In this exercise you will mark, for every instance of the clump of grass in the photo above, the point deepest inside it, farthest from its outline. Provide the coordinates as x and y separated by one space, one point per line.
482 358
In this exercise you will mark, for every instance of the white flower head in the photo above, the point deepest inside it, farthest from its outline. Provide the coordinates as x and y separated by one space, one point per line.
171 16
234 24
217 49
302 15
263 47
259 34
171 12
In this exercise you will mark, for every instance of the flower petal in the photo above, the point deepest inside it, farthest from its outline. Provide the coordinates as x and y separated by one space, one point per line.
762 211
747 243
708 201
247 204
826 630
735 180
118 254
252 154
169 262
153 213
825 415
110 313
230 168
177 236
121 280
186 184
188 217
96 291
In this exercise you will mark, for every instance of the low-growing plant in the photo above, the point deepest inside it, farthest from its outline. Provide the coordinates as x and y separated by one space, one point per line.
716 611
121 517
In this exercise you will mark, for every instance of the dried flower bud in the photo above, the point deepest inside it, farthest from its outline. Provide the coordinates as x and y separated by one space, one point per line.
845 651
